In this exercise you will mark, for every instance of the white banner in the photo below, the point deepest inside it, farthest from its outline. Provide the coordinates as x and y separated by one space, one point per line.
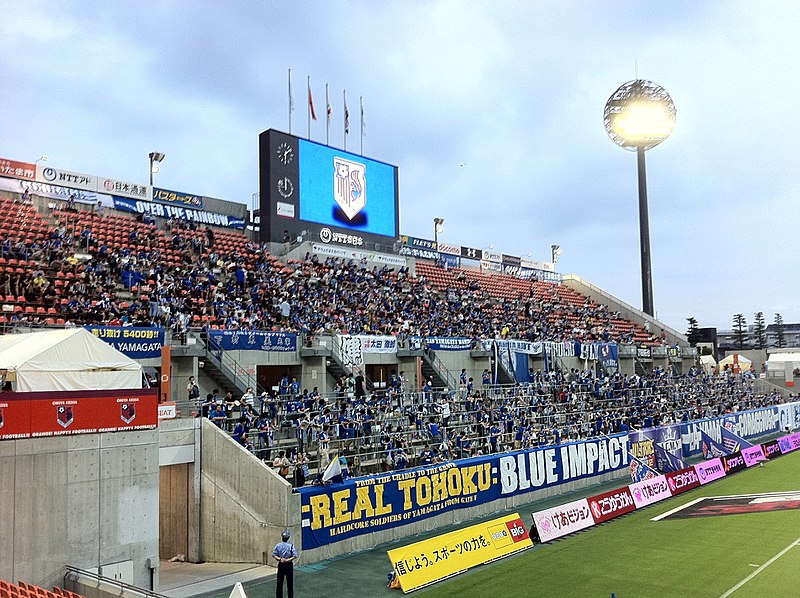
352 254
649 491
449 249
563 519
536 265
73 180
491 256
123 189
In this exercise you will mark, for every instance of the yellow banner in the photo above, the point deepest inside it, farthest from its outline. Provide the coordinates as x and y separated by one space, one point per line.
431 560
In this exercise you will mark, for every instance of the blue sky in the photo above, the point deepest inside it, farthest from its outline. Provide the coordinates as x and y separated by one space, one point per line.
491 110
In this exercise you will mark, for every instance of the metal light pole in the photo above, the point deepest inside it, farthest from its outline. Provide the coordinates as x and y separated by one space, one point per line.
638 116
438 227
155 159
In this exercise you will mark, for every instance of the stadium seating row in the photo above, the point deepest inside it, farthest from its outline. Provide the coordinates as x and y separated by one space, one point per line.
27 590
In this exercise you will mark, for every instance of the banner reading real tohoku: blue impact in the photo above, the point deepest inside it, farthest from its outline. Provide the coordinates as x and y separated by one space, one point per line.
335 512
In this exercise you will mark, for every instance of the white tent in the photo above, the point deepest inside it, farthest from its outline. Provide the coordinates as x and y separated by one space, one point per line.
735 362
72 359
709 363
777 361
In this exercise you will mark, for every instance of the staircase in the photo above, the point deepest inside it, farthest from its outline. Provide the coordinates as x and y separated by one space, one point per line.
432 367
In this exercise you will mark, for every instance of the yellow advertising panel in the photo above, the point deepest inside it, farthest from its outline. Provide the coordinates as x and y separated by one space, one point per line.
431 560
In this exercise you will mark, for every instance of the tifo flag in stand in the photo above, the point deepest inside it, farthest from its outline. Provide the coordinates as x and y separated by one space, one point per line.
640 471
711 448
346 118
311 104
333 473
733 442
668 461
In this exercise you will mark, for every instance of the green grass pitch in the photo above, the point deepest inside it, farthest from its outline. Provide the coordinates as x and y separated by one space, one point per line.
633 556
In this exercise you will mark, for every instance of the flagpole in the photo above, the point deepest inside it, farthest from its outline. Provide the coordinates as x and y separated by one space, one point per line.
327 117
346 115
290 101
308 108
361 103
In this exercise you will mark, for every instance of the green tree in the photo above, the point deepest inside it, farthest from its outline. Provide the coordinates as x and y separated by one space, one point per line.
760 331
779 331
693 332
739 330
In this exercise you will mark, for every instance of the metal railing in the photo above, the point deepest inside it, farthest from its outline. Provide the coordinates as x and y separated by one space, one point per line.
73 575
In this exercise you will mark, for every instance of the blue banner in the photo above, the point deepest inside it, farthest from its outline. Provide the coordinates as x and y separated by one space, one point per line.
254 340
136 343
335 512
136 206
747 424
441 343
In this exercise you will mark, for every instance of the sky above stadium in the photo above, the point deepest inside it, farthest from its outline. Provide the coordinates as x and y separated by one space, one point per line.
493 112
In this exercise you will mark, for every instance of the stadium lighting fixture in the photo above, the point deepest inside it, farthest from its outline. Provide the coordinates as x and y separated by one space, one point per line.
438 227
555 253
638 116
155 159
42 158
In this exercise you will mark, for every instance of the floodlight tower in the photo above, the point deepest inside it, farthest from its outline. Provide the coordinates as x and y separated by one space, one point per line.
638 116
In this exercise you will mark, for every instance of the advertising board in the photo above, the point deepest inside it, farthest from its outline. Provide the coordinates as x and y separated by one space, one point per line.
426 562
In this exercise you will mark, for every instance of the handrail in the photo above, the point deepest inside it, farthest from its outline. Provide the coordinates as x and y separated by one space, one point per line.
441 369
73 573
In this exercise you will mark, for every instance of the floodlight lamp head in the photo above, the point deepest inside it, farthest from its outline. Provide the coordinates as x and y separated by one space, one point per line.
639 114
157 157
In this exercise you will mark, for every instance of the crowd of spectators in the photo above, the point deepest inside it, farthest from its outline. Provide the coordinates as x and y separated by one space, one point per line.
180 278
393 429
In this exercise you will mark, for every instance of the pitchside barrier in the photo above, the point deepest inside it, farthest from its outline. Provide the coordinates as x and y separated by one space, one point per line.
332 513
426 562
577 515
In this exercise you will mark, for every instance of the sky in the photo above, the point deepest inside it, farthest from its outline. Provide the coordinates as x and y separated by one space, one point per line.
492 111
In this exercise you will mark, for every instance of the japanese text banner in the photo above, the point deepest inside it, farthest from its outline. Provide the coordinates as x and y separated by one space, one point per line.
434 559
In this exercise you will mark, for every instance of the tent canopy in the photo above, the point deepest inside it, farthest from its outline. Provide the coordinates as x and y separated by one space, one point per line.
72 359
730 360
778 361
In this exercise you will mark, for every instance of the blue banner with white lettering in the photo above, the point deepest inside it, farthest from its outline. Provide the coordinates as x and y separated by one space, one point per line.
254 340
441 343
136 343
747 424
335 512
136 206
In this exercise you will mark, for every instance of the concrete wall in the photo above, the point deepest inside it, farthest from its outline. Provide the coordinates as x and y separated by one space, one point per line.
88 501
244 504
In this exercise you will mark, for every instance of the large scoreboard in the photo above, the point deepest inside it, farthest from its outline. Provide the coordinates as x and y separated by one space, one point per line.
332 195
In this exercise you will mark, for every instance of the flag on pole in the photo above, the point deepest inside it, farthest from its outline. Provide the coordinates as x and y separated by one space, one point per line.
640 470
346 118
291 96
333 473
311 101
732 441
328 108
710 447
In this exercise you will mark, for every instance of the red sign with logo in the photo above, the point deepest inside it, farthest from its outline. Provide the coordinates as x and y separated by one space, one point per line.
18 170
517 530
682 480
611 504
39 414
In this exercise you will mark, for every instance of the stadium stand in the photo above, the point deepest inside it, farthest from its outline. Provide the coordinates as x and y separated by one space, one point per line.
77 266
26 590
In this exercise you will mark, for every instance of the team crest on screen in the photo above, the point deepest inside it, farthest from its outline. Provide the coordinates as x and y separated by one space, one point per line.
349 186
65 416
128 412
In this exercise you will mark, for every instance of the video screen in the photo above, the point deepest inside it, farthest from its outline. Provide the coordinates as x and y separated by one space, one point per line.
345 190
